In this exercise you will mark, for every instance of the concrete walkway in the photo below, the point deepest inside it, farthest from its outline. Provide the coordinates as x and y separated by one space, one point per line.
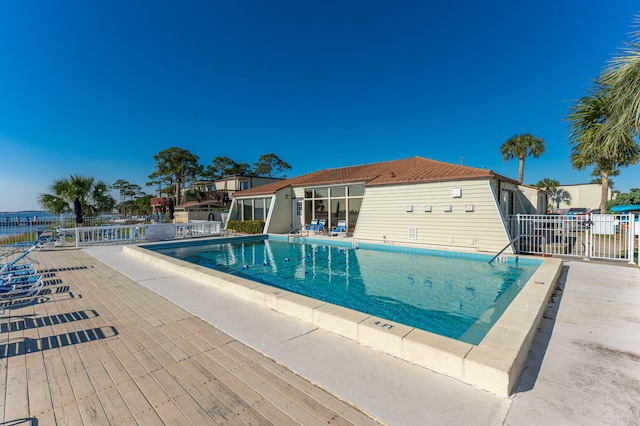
584 367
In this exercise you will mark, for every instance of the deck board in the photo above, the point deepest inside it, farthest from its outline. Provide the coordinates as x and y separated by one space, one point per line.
98 348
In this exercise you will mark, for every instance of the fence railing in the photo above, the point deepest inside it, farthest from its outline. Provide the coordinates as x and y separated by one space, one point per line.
101 230
28 229
595 236
120 234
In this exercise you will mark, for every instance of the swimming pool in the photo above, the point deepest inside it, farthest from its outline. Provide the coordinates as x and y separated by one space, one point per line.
457 297
494 364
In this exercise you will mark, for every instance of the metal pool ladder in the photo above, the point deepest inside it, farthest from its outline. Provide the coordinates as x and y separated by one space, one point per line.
505 247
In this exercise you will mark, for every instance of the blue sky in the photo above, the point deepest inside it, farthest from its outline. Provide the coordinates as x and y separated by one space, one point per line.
99 87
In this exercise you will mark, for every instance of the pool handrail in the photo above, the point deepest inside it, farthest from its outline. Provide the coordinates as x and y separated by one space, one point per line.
513 240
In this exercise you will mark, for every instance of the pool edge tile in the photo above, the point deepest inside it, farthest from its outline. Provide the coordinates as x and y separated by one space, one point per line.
383 334
339 320
438 353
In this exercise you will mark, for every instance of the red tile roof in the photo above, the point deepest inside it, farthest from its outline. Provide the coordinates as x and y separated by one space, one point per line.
409 170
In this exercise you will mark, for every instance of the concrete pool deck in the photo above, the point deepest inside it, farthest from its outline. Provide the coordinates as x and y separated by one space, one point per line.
583 366
494 364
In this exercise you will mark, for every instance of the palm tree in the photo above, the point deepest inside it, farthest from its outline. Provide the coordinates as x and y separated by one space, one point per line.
596 141
93 194
623 79
597 173
177 163
547 184
520 147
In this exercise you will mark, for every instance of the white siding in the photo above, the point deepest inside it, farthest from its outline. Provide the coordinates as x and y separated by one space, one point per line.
281 217
530 201
383 216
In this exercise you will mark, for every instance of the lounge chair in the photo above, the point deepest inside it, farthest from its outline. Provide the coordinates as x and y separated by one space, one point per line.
313 226
18 295
340 229
322 226
14 263
20 280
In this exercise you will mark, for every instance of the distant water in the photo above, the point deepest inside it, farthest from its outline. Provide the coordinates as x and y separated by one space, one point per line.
12 223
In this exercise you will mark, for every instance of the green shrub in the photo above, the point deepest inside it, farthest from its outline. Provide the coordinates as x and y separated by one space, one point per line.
246 226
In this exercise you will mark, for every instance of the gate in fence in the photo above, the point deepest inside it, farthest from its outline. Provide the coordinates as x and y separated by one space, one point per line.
594 236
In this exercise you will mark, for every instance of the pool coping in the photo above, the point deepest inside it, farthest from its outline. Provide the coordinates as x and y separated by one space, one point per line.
493 365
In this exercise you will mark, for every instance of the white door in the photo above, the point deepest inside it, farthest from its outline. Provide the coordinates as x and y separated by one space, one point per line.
297 213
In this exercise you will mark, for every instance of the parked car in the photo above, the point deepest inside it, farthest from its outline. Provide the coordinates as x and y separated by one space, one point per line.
592 211
577 211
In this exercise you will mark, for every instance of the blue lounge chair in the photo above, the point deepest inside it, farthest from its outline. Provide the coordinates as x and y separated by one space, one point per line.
322 226
20 280
313 226
14 263
19 287
18 295
340 229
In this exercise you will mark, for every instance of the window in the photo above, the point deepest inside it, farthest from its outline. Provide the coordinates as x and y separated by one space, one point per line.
338 210
507 203
235 214
321 193
356 191
247 211
338 192
334 203
354 211
244 185
258 212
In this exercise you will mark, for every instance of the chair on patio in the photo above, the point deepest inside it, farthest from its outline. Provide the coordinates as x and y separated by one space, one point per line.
340 229
14 263
18 296
312 227
322 226
19 291
30 277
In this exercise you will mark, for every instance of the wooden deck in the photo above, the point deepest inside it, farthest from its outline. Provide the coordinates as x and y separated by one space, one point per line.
98 348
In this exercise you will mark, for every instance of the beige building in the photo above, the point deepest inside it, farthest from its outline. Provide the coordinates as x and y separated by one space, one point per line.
209 200
411 201
585 195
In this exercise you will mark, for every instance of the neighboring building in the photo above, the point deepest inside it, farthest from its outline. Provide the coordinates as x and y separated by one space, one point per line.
211 199
410 201
232 183
533 200
585 195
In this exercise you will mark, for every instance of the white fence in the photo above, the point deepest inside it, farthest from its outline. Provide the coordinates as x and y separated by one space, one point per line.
119 234
597 236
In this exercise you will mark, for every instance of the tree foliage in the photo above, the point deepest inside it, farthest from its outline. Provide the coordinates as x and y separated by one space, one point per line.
622 77
179 165
93 194
632 197
270 165
594 142
547 184
225 166
605 123
520 147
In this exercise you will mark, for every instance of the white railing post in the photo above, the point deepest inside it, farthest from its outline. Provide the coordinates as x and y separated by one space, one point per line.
588 236
631 229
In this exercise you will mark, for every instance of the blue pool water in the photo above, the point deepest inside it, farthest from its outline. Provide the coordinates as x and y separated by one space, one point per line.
456 297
